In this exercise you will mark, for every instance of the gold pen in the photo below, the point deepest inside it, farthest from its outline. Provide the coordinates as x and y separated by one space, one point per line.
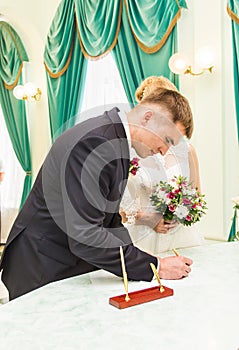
161 288
127 298
175 252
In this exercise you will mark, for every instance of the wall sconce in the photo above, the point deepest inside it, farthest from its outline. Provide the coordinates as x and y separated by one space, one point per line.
27 92
179 63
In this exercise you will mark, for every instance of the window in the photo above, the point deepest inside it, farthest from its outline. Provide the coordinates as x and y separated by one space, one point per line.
103 88
12 185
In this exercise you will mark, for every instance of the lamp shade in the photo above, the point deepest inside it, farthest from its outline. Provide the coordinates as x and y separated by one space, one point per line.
205 57
19 92
178 63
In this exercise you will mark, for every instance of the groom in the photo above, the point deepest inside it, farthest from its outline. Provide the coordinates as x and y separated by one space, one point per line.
70 222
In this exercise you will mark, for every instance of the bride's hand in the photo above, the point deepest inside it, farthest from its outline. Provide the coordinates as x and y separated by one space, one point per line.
163 226
148 218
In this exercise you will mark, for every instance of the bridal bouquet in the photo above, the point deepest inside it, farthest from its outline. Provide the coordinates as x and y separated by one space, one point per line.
178 201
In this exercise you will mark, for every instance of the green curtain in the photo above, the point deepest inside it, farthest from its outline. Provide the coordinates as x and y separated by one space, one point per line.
65 69
137 57
142 35
233 11
234 234
98 25
12 55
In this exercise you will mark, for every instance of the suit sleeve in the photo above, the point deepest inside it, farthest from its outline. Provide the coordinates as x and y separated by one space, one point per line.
92 190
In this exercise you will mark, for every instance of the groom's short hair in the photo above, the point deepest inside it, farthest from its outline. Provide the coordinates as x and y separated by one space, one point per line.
176 104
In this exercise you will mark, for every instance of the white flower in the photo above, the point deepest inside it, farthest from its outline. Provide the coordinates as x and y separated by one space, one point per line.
199 208
173 183
181 212
161 193
236 200
167 200
189 192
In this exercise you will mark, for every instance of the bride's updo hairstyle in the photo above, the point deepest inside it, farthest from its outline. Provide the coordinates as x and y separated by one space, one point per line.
152 86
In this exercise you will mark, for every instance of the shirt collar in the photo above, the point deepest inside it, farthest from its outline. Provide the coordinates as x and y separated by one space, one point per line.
124 119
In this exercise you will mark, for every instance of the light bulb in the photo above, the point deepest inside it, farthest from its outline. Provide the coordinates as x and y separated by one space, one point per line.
205 57
178 63
19 92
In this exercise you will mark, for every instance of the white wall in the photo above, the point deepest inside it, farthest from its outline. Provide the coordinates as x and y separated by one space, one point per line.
211 97
32 20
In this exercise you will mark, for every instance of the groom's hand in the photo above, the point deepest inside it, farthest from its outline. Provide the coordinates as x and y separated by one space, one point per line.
174 267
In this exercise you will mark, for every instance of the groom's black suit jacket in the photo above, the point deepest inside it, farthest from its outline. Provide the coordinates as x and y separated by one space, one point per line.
70 222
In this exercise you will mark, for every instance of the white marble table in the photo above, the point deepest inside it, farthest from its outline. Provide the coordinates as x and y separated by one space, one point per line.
75 313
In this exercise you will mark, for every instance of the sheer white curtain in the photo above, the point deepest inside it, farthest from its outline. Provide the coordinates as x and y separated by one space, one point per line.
12 185
103 88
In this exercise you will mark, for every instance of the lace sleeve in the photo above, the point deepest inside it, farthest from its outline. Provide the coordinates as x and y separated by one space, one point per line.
130 203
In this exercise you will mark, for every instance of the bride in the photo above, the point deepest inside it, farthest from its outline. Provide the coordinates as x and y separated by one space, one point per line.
147 228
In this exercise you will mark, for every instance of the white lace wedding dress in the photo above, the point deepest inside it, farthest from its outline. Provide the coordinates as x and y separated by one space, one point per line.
136 198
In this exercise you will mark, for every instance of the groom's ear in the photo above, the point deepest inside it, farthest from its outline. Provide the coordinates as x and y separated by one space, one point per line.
146 117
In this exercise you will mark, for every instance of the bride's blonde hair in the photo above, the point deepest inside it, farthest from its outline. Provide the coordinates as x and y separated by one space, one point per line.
151 83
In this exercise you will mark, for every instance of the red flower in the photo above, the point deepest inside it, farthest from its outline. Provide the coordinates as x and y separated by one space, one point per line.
186 201
171 207
171 195
135 161
134 166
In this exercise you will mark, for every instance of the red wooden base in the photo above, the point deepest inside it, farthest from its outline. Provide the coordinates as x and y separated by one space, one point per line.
140 297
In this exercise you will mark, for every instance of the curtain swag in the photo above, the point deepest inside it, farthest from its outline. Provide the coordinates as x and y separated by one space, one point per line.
99 23
151 22
60 40
98 26
12 55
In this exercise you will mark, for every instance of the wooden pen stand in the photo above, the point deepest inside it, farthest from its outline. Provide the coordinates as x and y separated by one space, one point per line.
140 297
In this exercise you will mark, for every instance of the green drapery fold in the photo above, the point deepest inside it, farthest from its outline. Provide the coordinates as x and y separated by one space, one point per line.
135 65
98 25
233 11
152 21
66 69
234 234
12 55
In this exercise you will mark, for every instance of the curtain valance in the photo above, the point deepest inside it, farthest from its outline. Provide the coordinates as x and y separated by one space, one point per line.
98 24
152 21
60 40
12 55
